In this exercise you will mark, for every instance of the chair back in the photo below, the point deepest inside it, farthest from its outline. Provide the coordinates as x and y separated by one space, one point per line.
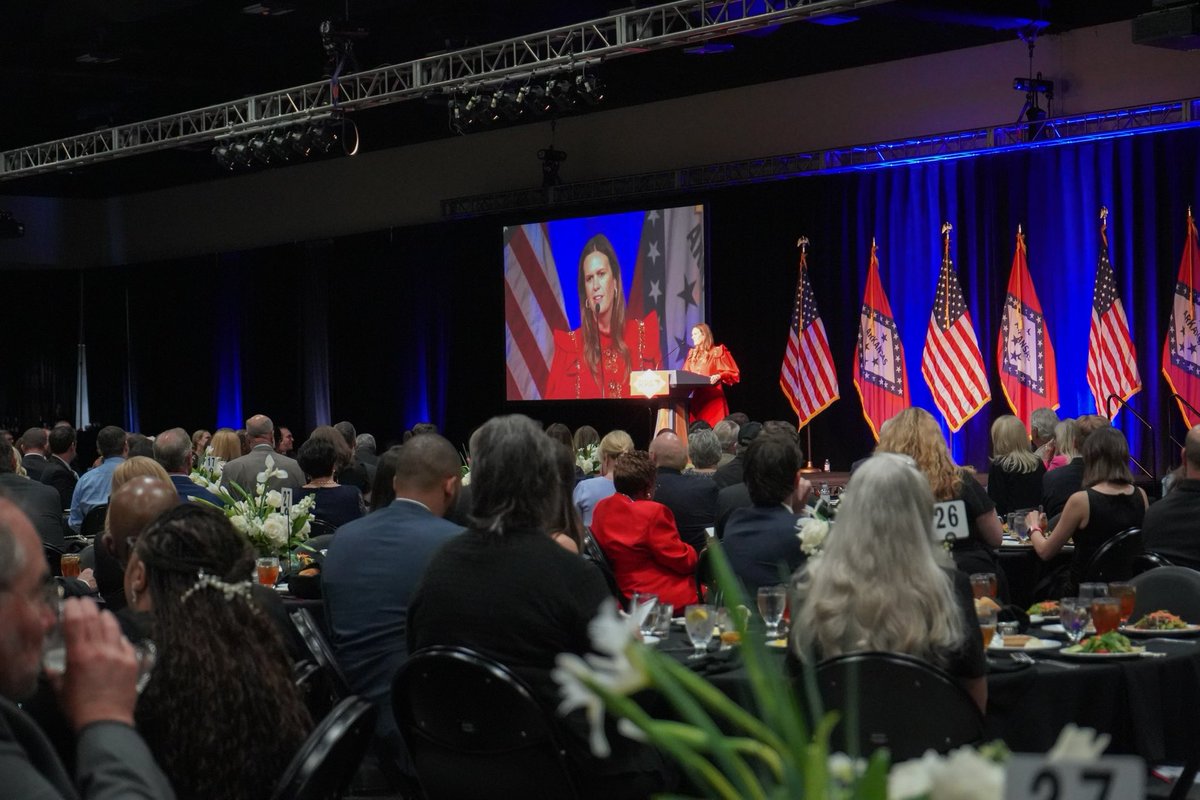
706 578
93 522
1174 589
322 653
53 555
474 729
591 552
902 703
328 759
1117 559
320 528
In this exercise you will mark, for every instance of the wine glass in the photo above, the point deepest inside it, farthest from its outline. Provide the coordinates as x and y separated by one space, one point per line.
700 621
772 600
1074 613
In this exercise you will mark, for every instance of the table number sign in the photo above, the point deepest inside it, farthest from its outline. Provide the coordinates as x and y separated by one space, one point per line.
286 505
1032 777
950 521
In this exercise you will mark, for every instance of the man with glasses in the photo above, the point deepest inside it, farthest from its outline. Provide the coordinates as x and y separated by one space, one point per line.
97 691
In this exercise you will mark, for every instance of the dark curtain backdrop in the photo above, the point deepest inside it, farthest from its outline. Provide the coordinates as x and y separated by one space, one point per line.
391 328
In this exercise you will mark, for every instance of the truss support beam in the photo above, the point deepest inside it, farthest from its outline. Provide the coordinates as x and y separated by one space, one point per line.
513 60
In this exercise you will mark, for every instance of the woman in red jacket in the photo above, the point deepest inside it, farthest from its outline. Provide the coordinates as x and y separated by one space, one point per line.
639 536
715 361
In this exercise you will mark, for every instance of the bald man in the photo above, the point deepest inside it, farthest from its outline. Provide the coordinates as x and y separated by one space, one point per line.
691 498
243 471
131 508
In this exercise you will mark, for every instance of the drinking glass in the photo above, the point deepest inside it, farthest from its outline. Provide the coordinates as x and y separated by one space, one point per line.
983 584
1074 614
1021 525
700 621
268 570
772 601
1106 614
661 615
1127 594
1088 591
54 652
69 565
641 607
987 625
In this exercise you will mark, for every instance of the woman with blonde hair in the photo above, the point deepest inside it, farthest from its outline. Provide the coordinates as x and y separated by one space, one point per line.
1066 444
226 445
1015 479
882 584
590 491
135 467
915 433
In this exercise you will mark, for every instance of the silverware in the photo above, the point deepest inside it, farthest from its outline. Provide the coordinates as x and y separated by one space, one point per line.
1022 658
1063 664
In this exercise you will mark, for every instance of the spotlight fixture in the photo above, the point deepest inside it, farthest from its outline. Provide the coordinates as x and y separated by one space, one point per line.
288 143
589 89
259 151
224 156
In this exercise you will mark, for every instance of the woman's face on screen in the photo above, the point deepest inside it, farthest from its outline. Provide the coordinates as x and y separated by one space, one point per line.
697 337
598 283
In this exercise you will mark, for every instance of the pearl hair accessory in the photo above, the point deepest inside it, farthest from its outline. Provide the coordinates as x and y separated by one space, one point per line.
204 580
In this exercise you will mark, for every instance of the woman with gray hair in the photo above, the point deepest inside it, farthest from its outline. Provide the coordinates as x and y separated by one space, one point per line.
504 588
881 584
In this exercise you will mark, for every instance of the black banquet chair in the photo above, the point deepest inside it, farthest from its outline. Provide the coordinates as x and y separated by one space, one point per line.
900 702
474 729
328 759
1118 559
93 522
1174 589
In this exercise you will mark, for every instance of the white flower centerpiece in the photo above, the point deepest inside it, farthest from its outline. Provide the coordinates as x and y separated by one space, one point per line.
813 527
731 752
207 471
587 458
261 517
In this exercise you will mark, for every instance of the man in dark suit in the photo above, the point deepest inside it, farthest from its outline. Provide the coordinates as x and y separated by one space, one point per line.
98 693
1169 527
58 473
373 566
731 473
173 450
244 470
691 498
33 452
39 502
760 541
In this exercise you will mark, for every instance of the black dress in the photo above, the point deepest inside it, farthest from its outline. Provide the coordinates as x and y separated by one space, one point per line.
1013 491
973 554
1108 515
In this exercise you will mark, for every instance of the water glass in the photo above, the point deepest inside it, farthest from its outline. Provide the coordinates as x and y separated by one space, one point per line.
772 602
1106 614
661 615
1074 613
1127 594
1020 526
1089 591
700 621
54 652
983 584
641 608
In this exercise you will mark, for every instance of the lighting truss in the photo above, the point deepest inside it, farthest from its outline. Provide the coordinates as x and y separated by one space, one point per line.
961 144
625 33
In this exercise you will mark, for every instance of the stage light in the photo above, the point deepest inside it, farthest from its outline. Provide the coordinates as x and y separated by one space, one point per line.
279 145
240 153
590 89
1034 85
259 152
559 93
324 136
224 156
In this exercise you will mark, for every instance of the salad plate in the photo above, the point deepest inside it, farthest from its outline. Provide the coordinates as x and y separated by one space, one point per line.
1116 648
1032 646
1160 623
1155 633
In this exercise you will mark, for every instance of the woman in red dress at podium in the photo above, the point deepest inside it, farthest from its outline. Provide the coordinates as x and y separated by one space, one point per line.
715 360
595 359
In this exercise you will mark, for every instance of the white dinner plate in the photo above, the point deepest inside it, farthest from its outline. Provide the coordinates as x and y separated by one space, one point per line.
1137 653
1183 633
1033 646
1038 619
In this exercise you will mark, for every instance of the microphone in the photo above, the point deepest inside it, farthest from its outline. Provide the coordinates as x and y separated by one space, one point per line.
596 309
1153 444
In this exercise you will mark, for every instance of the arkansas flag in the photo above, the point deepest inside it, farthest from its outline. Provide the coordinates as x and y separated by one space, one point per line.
879 373
1181 351
1024 354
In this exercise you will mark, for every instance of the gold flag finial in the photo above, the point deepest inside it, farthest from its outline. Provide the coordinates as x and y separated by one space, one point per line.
802 241
1103 213
946 228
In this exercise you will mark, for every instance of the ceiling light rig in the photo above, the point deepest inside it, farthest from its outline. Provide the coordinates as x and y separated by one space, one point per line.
480 107
289 144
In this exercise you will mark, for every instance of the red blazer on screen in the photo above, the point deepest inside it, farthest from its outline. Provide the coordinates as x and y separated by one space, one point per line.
642 544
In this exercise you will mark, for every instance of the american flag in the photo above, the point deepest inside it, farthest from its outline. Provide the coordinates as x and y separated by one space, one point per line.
533 309
668 278
807 378
1112 360
952 363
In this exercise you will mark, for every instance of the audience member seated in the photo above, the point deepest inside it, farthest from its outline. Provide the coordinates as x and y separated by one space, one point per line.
761 541
40 503
131 508
726 432
506 590
1060 483
1108 504
34 449
590 491
136 467
221 713
882 585
225 445
97 692
382 491
140 445
95 485
351 472
200 441
915 433
375 563
639 537
244 470
59 473
585 436
173 450
1042 425
704 451
1169 527
691 498
336 504
566 527
1015 477
731 473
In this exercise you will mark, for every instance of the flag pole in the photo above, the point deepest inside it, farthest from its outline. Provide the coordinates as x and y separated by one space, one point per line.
802 243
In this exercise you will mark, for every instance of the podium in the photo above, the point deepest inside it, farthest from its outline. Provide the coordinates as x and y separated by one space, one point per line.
671 389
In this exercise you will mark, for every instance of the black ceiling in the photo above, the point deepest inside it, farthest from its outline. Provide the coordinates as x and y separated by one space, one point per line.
158 57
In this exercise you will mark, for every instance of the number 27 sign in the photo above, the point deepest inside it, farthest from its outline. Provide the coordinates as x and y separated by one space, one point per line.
1031 777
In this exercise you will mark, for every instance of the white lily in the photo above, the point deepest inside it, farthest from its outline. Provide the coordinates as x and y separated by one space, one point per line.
964 774
612 636
811 532
1078 744
269 472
